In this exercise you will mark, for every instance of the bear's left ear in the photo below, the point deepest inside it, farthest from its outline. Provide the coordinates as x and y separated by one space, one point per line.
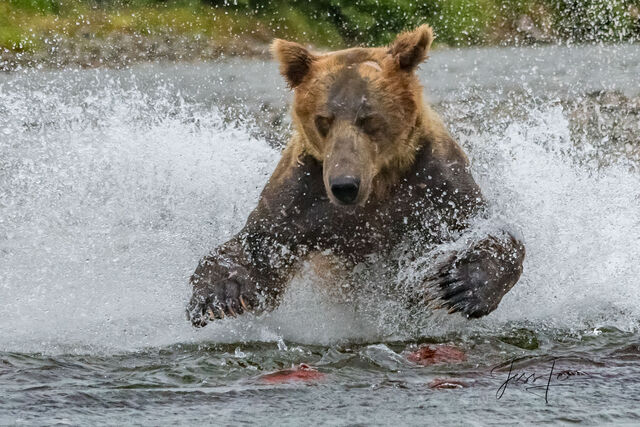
295 61
409 49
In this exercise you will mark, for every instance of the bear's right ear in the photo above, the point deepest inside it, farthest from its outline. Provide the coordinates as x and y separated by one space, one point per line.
295 61
409 49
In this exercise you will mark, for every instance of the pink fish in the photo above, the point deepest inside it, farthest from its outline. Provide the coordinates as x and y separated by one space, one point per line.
436 354
302 372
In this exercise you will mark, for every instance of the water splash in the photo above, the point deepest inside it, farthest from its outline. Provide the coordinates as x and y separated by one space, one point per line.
107 205
580 223
110 193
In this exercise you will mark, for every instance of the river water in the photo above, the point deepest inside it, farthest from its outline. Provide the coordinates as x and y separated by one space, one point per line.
113 183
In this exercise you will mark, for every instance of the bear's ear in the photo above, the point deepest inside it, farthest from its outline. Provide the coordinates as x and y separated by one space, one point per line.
409 49
295 61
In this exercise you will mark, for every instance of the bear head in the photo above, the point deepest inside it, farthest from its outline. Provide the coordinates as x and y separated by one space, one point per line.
357 111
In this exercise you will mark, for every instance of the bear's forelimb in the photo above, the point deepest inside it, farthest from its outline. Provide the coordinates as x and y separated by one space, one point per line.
248 273
473 281
237 277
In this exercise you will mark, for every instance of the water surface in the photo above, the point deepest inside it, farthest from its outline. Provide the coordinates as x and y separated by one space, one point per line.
113 183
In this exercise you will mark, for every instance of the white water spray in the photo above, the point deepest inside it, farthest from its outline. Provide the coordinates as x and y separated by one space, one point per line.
109 197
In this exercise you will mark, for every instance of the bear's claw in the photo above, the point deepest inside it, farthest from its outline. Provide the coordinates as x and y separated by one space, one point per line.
475 281
218 300
461 292
458 292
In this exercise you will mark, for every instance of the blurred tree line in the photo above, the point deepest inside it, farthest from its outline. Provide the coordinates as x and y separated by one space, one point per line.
24 24
458 22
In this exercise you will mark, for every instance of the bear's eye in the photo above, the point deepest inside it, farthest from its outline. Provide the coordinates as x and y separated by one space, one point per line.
323 124
370 124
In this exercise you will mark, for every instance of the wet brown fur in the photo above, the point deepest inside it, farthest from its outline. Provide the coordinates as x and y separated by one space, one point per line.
419 180
400 95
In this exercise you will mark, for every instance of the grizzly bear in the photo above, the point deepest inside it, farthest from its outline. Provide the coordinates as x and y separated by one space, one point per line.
367 165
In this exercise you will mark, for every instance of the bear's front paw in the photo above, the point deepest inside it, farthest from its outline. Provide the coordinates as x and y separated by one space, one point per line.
464 288
215 296
475 282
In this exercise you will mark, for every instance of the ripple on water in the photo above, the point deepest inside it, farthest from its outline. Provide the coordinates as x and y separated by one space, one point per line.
114 183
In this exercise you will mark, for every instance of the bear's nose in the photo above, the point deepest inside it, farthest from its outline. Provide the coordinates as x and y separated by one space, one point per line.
345 188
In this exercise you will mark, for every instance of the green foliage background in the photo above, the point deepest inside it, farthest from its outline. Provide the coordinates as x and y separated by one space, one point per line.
26 25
